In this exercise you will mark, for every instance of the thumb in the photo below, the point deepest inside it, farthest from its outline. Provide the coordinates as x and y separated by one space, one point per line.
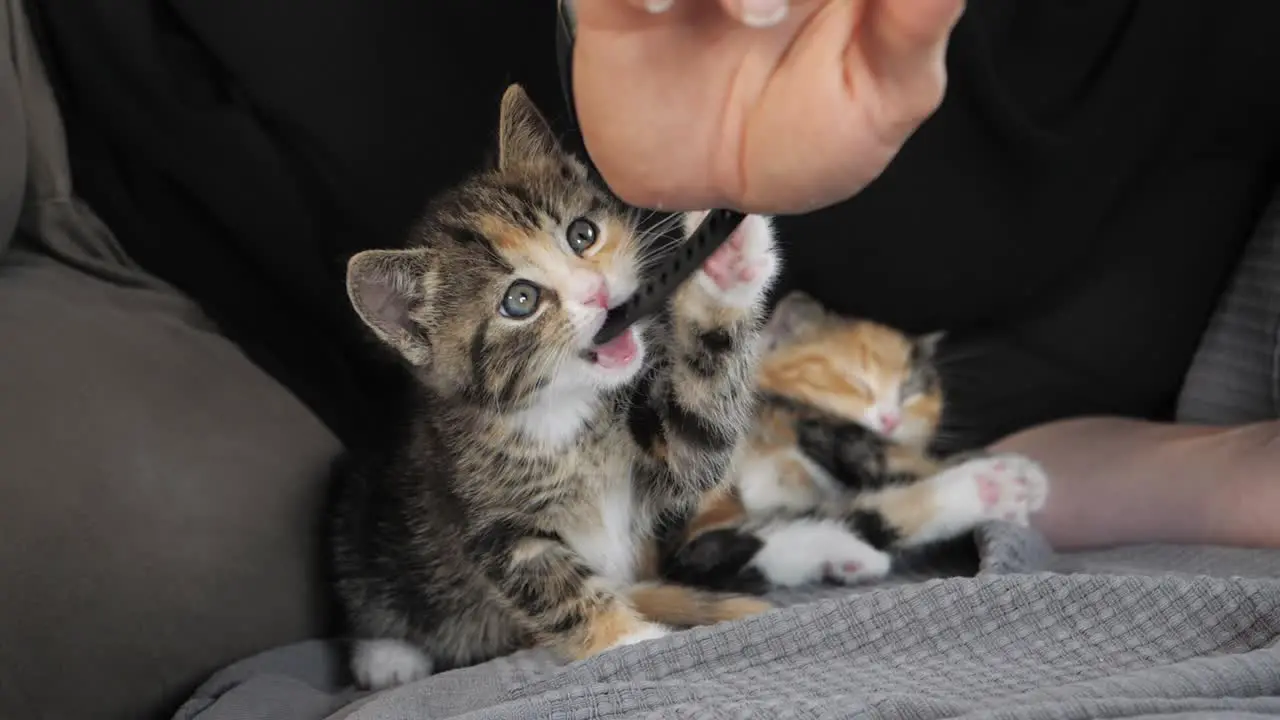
905 41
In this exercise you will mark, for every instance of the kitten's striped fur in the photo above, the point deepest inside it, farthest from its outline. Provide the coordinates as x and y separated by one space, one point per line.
521 504
837 472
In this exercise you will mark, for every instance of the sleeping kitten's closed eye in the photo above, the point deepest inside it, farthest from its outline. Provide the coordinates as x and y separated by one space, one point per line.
855 369
902 412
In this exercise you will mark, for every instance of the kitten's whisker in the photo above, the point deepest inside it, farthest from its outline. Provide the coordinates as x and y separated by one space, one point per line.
661 228
643 216
648 260
667 224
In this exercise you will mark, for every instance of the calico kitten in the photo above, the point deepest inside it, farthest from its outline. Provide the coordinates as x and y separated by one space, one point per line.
521 504
837 470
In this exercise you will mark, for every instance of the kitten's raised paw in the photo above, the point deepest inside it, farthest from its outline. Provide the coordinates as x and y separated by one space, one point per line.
1011 487
739 272
384 663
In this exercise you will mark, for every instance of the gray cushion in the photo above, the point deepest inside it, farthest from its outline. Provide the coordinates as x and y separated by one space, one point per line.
159 499
1235 375
160 496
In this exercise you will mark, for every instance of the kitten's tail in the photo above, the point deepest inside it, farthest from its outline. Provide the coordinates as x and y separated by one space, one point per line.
686 607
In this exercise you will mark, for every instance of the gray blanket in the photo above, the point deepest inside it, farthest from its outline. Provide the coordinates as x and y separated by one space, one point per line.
1150 631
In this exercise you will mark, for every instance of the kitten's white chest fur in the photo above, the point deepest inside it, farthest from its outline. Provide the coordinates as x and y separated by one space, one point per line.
605 535
556 419
602 531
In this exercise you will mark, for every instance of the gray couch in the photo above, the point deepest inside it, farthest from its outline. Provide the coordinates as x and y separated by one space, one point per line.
159 493
160 498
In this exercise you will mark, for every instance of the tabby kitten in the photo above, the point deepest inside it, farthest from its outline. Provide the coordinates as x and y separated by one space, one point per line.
837 471
521 504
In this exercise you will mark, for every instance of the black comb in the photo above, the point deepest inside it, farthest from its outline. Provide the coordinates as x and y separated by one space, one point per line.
661 281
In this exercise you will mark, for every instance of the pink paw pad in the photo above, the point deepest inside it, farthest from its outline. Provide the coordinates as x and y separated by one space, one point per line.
988 491
719 267
843 571
734 264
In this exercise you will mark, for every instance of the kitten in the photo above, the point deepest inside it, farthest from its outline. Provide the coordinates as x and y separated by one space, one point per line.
837 473
521 504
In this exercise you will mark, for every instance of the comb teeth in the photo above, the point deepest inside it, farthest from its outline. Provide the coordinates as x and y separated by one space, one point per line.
681 262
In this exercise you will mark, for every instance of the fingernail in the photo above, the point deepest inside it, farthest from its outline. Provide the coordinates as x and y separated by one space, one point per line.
763 13
658 6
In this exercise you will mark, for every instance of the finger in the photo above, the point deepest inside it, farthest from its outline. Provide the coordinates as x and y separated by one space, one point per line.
757 13
905 41
653 6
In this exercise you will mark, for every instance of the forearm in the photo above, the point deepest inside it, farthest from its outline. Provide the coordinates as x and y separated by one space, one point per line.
1116 481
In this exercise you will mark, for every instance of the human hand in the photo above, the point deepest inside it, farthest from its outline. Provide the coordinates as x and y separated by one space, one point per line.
696 106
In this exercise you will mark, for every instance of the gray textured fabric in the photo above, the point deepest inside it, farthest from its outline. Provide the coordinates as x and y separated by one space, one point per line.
159 494
13 134
1153 631
1235 376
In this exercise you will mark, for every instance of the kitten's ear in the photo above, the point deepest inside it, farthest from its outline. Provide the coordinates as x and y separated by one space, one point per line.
794 313
928 344
386 287
523 133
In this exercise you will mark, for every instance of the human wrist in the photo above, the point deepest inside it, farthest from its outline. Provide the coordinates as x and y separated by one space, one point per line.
1243 505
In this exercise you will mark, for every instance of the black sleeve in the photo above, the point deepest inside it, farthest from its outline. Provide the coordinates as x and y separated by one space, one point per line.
243 150
1068 215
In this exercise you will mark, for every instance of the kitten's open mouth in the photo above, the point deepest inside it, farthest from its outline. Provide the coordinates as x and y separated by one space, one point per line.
618 352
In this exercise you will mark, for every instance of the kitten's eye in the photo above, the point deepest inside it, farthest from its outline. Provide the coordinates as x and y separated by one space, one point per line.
521 300
861 386
582 234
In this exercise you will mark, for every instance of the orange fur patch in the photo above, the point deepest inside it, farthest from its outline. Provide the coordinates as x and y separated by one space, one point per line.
719 507
908 508
605 627
925 407
687 607
900 459
617 237
506 237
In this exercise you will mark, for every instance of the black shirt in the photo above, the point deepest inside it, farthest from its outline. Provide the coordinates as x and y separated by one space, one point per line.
1069 214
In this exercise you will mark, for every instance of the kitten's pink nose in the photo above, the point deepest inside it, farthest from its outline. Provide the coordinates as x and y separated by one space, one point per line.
889 421
598 297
